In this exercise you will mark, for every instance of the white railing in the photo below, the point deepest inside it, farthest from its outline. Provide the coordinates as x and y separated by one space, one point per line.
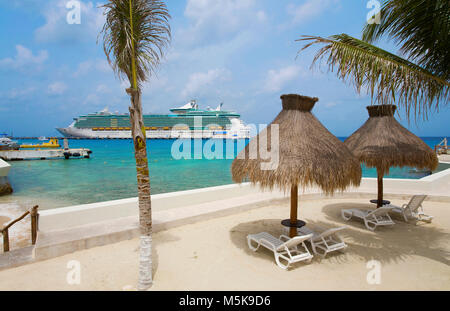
442 147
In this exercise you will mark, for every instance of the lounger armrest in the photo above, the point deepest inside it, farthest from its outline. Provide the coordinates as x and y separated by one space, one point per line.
284 238
330 232
381 211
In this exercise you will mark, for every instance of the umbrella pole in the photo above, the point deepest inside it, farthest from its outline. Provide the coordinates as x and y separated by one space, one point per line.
294 210
380 188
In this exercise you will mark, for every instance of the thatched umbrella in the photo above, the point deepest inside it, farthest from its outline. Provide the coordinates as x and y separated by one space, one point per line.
308 154
382 142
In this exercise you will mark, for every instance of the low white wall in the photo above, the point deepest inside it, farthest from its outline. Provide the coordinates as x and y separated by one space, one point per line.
4 168
5 187
71 216
436 184
60 218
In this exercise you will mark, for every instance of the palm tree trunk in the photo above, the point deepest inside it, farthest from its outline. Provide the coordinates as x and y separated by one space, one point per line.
143 182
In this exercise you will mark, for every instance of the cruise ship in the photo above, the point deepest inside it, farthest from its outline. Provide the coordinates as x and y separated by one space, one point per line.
187 121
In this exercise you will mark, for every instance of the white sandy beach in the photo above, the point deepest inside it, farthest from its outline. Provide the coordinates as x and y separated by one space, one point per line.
213 255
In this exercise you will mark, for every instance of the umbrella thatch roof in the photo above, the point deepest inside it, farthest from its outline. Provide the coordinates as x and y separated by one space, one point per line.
308 153
383 142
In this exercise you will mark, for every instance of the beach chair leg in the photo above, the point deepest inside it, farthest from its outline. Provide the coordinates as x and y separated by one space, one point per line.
279 263
307 250
313 246
346 218
253 248
404 217
368 225
322 255
315 250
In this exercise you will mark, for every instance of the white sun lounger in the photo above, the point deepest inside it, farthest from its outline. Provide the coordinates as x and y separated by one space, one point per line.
372 219
324 242
283 248
412 210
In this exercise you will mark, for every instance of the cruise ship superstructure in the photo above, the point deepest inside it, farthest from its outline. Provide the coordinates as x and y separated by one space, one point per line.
187 121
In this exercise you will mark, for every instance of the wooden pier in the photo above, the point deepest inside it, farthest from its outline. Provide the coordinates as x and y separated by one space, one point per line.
44 154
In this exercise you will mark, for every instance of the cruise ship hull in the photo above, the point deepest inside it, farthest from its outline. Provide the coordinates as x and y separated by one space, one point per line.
72 132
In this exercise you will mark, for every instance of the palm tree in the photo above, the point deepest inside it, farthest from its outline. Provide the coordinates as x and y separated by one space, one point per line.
420 81
134 37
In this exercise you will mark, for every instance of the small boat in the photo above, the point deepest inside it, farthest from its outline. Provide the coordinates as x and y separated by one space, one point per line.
53 143
42 138
7 144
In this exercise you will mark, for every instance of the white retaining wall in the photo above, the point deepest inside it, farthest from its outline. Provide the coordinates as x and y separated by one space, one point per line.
73 216
4 168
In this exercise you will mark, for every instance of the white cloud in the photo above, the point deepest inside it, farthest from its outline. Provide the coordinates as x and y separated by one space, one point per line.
57 29
200 82
21 93
24 59
156 83
89 65
57 88
261 15
103 66
309 9
215 20
103 88
331 104
277 79
92 99
83 68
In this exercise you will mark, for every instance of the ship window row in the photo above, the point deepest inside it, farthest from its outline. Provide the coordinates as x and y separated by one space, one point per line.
125 123
154 128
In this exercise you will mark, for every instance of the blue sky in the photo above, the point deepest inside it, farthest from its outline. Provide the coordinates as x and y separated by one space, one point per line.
240 52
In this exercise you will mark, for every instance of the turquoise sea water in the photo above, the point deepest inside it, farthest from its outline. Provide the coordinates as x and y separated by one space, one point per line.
110 173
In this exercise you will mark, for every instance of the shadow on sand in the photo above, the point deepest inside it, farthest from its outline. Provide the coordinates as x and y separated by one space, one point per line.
238 235
162 237
391 243
387 244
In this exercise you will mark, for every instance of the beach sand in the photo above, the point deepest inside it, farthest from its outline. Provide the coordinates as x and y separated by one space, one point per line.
213 255
28 202
4 220
19 233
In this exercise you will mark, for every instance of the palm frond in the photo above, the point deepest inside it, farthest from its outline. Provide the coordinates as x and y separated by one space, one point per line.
387 77
151 35
421 28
